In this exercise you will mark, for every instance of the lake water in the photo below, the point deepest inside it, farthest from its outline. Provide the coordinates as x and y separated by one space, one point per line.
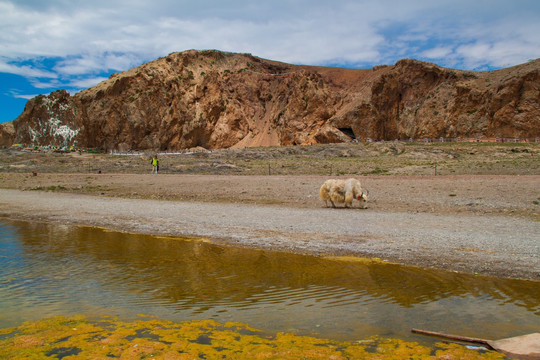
48 270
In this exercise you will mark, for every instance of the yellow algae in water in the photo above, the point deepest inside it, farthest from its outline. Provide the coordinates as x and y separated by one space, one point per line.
77 337
164 237
360 260
185 239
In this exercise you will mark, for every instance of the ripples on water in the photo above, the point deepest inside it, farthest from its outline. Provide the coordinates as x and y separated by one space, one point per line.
51 270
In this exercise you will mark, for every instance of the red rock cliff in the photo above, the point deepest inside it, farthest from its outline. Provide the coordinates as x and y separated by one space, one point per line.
217 100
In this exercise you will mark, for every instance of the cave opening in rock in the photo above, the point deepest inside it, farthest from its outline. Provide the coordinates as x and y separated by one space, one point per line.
349 132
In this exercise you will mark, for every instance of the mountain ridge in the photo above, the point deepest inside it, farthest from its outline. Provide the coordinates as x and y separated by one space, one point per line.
216 99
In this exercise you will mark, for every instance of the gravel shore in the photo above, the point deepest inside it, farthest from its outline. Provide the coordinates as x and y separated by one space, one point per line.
496 235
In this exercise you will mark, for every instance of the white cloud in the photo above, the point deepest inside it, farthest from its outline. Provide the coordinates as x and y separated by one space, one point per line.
437 52
90 38
38 84
90 63
86 83
26 97
25 70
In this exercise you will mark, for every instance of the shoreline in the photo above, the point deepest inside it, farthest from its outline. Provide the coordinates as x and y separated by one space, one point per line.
491 244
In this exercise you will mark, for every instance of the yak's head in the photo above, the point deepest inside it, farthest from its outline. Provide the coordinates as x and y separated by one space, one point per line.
363 197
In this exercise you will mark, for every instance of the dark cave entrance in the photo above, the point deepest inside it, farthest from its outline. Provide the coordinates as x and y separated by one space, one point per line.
349 132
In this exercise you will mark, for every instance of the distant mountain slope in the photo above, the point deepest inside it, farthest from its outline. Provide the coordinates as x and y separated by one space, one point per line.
216 99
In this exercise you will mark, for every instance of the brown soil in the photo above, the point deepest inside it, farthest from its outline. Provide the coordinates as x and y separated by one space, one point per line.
477 195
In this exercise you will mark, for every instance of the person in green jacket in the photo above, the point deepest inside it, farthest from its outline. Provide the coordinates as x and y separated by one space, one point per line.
155 164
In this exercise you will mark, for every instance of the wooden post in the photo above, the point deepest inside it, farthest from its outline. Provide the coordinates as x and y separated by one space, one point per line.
482 342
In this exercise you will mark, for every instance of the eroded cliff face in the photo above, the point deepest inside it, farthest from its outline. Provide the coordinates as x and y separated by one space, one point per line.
417 100
214 99
49 120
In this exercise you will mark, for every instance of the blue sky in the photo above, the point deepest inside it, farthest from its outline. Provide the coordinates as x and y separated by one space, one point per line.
47 45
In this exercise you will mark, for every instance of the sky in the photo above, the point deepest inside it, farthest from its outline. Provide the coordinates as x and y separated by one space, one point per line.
46 45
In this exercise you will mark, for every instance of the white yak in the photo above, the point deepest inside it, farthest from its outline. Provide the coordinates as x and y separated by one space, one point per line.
343 191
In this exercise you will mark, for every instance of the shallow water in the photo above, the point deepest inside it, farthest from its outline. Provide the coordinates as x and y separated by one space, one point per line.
48 270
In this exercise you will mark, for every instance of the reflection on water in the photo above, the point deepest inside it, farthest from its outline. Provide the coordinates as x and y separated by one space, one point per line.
51 270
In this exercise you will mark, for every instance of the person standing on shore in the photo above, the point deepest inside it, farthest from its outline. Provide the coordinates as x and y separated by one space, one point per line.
155 164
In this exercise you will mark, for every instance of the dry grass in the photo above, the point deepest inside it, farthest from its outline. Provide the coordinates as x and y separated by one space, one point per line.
389 158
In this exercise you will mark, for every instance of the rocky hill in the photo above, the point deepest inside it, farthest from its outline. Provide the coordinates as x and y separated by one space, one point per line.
215 100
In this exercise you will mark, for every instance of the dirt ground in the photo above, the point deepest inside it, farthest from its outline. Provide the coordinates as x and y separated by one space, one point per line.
517 196
482 223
